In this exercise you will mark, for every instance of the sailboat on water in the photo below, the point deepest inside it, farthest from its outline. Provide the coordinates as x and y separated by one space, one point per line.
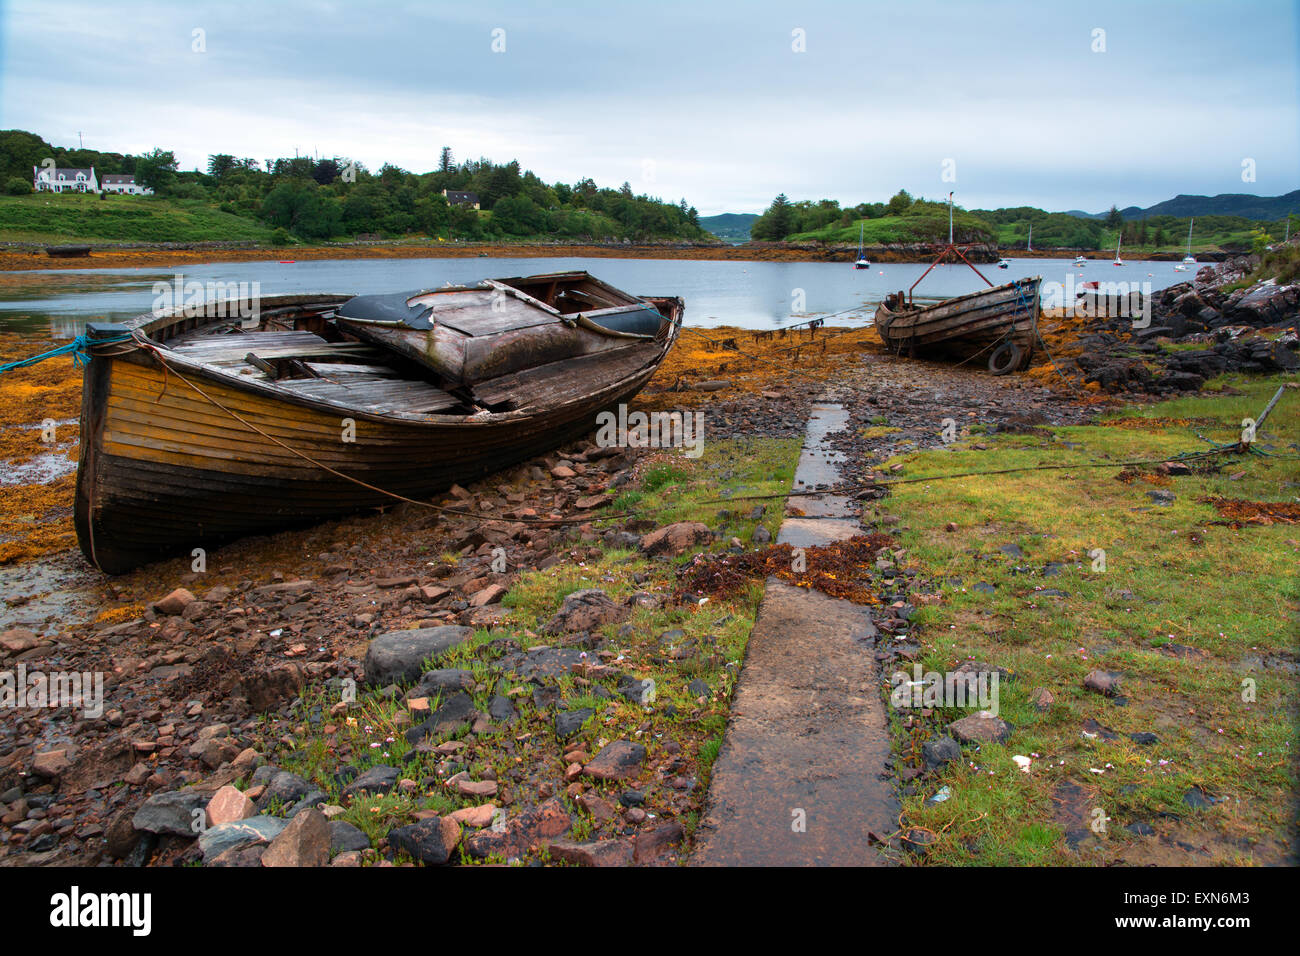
1189 259
862 262
1118 260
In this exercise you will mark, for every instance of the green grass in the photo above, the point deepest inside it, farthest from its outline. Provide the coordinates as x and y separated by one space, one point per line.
925 225
64 217
1172 576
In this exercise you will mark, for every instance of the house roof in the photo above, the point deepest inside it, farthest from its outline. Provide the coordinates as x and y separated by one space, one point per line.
454 195
70 171
116 178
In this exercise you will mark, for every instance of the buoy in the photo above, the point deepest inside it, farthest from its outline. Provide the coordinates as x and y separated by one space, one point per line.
287 262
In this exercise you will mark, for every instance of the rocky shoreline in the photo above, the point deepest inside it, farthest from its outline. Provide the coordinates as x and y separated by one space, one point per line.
1198 329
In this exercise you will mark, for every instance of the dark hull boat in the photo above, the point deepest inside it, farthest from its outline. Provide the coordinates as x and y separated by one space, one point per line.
1000 322
198 428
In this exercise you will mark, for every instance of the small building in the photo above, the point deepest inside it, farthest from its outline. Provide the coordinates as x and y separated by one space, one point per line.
457 198
122 183
64 180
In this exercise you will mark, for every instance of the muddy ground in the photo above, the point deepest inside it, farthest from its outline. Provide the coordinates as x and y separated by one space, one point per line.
203 689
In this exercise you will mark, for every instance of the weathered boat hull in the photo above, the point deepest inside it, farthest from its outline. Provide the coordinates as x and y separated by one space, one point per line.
965 326
165 470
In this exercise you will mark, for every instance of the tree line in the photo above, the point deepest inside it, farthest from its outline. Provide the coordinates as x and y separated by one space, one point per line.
325 198
905 218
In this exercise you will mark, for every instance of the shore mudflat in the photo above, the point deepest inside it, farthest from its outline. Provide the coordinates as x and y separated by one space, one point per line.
22 257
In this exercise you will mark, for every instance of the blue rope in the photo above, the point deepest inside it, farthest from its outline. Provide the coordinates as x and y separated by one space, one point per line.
78 348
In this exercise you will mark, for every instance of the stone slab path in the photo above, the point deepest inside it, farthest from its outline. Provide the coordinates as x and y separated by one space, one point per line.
800 777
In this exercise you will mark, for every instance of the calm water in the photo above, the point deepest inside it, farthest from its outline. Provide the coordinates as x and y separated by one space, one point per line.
755 295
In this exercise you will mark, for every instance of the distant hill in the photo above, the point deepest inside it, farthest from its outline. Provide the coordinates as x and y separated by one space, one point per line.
1225 204
732 226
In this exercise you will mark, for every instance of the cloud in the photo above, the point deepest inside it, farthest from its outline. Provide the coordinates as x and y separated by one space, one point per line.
713 95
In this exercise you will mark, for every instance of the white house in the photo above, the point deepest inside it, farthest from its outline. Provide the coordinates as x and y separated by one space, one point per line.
66 180
63 180
122 183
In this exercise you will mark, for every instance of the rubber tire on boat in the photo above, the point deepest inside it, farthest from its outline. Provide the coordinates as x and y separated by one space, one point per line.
1012 354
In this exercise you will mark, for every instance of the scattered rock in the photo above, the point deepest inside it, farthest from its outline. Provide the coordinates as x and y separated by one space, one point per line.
429 841
377 780
214 841
52 764
939 752
652 841
228 805
399 656
174 603
176 813
617 852
18 640
620 760
981 727
304 842
528 831
1103 682
569 722
585 610
456 712
344 837
676 539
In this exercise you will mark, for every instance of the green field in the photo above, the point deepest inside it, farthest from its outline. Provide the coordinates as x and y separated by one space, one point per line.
59 218
925 226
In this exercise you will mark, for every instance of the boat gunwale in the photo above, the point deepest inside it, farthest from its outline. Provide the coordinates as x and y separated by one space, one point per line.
151 322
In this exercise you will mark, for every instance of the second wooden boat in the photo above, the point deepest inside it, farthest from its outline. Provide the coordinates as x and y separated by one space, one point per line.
1000 322
199 425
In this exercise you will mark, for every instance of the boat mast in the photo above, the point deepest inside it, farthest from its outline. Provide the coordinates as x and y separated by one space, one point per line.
1029 246
950 219
1189 235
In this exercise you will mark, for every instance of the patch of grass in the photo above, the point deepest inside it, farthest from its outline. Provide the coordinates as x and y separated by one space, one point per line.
54 218
1191 613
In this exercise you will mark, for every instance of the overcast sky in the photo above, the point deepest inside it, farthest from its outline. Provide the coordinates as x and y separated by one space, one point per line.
702 99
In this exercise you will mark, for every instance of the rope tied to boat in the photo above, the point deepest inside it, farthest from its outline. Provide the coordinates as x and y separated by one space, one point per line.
79 348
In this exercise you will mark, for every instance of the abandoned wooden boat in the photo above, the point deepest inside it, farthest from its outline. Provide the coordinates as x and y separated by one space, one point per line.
201 425
67 252
1000 322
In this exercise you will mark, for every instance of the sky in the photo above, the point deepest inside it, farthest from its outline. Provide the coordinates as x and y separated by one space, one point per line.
1061 105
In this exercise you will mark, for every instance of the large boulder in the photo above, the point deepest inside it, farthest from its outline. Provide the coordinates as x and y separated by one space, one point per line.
1266 304
399 656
